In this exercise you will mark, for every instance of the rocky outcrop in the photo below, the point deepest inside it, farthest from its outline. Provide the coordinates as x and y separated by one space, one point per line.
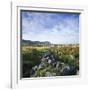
51 67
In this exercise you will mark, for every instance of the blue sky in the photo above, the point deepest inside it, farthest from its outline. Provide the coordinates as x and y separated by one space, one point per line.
58 28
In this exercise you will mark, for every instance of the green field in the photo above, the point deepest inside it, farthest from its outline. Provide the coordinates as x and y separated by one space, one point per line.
62 60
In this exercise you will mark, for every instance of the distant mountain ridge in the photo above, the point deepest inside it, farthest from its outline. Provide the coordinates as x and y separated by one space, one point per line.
29 42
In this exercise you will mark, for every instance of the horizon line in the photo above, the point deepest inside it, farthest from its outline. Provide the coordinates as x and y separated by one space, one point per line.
49 42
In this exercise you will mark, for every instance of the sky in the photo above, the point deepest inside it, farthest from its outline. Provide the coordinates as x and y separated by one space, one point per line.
57 28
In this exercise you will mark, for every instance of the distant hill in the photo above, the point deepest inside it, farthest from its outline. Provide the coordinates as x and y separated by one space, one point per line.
29 42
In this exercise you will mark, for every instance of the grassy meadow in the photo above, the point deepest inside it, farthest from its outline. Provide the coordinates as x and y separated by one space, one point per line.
63 55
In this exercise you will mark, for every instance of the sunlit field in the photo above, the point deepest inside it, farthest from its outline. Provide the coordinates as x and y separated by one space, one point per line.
47 61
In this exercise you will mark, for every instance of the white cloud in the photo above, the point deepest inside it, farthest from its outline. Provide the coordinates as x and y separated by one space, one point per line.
62 32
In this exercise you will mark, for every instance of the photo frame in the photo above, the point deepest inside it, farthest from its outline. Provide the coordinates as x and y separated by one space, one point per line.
16 65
